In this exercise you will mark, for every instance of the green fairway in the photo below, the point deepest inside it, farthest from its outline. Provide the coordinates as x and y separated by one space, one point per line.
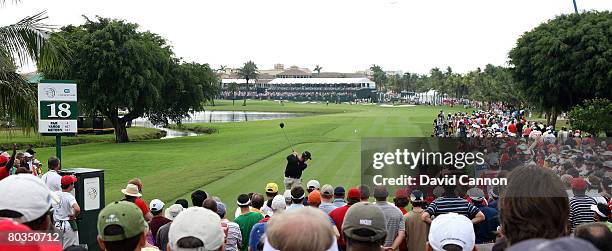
243 157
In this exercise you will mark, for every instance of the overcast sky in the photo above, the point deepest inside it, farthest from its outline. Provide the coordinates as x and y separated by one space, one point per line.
339 35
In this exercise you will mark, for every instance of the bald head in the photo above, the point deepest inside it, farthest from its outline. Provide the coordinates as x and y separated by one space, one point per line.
283 235
597 234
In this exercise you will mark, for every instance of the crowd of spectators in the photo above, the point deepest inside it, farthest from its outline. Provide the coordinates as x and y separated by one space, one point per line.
558 197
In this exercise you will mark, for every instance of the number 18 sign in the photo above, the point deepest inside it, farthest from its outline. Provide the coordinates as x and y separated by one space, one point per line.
57 107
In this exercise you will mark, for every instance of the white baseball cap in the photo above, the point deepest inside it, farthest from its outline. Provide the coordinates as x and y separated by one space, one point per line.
278 203
451 228
173 211
200 223
27 155
156 205
313 183
27 195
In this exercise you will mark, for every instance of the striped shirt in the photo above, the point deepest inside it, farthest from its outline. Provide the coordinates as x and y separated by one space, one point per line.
580 210
457 205
395 221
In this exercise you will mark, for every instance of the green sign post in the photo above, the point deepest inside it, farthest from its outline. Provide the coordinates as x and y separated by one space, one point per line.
57 110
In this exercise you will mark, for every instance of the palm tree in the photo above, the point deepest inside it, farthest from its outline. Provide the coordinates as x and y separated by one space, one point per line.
248 71
25 42
318 70
233 87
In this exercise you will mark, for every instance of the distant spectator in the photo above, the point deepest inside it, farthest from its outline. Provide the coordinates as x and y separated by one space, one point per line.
232 232
52 179
401 199
33 211
580 204
485 230
161 238
247 219
364 190
559 244
66 211
257 202
338 214
121 226
282 233
396 226
183 202
602 214
327 193
339 197
416 229
210 204
157 209
314 199
597 234
196 228
132 194
452 203
297 198
534 205
287 196
451 231
198 197
364 227
271 191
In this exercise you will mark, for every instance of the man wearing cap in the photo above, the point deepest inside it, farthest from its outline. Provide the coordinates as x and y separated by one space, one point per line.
485 230
157 207
338 214
161 238
602 214
312 185
364 227
416 229
121 226
271 192
295 166
246 220
580 204
401 200
396 227
196 228
451 231
33 211
52 179
232 232
66 211
339 197
327 193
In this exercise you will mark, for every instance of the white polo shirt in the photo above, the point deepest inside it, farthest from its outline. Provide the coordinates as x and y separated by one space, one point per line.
53 180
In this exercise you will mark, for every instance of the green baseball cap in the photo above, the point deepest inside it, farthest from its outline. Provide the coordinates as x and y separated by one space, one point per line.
123 214
365 222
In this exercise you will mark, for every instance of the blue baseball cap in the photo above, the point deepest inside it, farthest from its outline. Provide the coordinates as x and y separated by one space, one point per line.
339 191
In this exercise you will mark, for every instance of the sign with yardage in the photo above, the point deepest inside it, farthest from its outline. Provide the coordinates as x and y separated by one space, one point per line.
57 107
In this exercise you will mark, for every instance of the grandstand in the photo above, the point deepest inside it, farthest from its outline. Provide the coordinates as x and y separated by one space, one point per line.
305 89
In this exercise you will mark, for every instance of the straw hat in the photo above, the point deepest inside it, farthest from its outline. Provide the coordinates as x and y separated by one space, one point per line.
131 190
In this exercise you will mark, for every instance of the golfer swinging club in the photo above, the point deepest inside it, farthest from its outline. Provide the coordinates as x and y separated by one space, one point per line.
295 165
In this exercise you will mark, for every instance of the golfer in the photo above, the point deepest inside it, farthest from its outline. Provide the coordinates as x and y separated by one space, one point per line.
295 166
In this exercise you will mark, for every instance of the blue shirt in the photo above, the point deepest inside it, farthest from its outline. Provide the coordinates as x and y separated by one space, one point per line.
485 230
339 202
257 233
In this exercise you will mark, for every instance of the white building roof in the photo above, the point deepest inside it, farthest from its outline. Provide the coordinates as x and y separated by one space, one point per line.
322 81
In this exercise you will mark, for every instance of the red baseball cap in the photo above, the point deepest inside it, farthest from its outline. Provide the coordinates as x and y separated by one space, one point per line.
68 179
401 193
354 193
579 183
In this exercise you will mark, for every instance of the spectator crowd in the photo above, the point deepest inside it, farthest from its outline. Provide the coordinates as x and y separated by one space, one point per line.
558 197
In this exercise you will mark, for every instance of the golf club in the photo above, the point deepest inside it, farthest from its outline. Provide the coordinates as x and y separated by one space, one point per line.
282 125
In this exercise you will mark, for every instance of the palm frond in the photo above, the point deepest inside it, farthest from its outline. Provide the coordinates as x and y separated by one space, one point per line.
17 97
25 39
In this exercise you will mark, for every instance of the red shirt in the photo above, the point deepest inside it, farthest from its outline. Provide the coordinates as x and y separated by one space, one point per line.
3 172
512 128
142 205
403 210
338 216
